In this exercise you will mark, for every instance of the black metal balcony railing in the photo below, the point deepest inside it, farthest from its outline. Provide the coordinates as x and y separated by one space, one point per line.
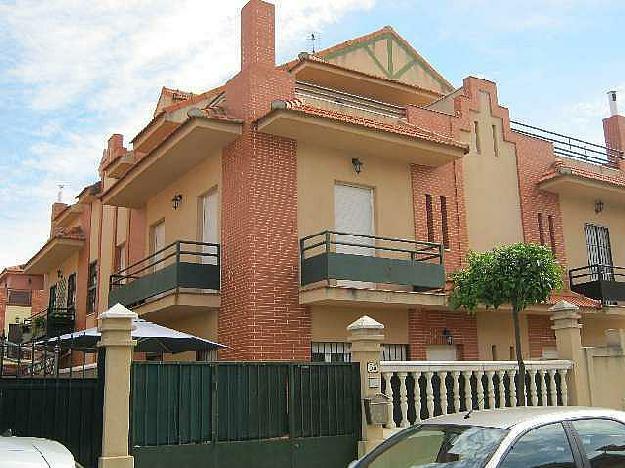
571 147
181 264
49 323
602 282
331 255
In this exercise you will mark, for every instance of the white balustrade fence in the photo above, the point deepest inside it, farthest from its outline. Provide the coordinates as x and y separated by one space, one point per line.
423 389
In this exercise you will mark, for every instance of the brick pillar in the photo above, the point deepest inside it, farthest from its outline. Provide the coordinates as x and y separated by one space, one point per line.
260 315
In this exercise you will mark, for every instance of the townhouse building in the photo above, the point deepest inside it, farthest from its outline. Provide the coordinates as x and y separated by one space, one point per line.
270 212
20 295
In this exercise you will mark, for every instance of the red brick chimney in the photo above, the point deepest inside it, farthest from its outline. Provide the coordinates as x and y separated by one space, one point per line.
260 315
614 131
258 39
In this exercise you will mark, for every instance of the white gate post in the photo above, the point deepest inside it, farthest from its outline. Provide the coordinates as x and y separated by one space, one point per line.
115 326
365 336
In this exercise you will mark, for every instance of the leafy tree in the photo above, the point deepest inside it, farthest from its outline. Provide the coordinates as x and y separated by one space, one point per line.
518 274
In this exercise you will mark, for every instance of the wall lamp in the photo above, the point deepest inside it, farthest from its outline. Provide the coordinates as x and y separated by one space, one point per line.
449 338
176 201
598 206
357 163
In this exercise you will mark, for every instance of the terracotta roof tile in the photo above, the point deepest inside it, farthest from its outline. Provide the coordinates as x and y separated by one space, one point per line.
586 171
574 298
75 233
400 128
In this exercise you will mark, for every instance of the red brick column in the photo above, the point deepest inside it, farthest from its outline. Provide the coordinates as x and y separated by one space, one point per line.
260 315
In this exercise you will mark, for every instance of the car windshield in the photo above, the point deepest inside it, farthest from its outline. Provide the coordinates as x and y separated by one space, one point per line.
440 446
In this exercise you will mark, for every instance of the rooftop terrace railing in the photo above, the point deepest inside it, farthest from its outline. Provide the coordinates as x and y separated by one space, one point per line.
314 91
571 147
602 282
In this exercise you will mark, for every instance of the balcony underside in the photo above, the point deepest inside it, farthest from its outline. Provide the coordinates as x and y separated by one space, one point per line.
53 254
575 186
189 145
358 140
340 296
178 304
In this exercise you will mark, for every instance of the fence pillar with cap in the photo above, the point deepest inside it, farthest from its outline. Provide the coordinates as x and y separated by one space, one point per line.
365 336
115 326
565 317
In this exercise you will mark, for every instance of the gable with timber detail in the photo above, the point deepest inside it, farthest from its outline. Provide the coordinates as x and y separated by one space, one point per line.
387 55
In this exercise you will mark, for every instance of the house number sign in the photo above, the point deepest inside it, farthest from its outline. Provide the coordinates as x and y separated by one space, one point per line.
372 367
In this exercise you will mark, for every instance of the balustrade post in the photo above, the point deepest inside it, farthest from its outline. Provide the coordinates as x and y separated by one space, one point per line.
443 391
468 398
511 374
366 336
491 389
403 399
456 376
533 389
417 395
429 393
565 317
115 326
388 391
543 387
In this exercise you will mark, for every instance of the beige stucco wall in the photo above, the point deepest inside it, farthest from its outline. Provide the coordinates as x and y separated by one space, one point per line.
329 323
319 169
182 224
14 314
202 324
606 365
94 239
594 327
491 187
578 210
107 252
495 327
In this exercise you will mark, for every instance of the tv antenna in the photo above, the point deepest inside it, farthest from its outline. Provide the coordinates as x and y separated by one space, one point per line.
59 195
313 38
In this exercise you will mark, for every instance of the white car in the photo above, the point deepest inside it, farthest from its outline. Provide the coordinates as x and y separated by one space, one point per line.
523 437
31 452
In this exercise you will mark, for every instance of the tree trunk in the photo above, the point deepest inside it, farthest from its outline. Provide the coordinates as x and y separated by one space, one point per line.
521 400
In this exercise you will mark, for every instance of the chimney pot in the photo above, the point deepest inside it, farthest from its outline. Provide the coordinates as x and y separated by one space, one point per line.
612 103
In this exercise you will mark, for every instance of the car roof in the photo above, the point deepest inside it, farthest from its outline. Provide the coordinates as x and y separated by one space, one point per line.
505 418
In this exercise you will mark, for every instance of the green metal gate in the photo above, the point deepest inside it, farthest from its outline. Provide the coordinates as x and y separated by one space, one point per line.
245 414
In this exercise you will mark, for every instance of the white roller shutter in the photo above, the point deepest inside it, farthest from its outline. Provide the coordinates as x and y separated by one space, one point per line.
209 225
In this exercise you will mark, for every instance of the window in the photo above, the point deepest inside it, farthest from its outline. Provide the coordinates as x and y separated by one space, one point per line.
330 352
71 293
208 227
445 446
92 287
544 446
478 146
157 243
444 222
552 235
603 441
429 217
52 298
541 231
598 248
341 352
120 258
495 140
19 297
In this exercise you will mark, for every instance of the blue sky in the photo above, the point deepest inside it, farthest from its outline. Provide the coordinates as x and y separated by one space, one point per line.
73 72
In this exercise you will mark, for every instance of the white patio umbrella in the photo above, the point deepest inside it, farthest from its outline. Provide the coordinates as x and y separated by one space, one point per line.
150 337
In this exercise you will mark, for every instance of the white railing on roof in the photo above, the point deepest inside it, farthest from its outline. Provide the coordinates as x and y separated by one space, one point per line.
442 386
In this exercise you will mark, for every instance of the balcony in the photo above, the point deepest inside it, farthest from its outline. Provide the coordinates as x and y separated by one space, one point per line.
605 283
50 322
370 269
182 274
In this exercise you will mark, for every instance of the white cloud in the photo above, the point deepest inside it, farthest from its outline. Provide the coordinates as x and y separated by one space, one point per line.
93 68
